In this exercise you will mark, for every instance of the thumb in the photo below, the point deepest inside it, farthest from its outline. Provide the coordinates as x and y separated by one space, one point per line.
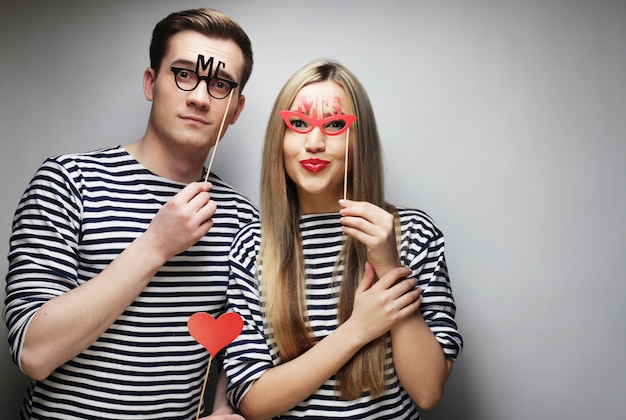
368 278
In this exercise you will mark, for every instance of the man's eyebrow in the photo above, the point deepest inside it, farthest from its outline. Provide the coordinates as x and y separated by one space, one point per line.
222 73
183 62
190 65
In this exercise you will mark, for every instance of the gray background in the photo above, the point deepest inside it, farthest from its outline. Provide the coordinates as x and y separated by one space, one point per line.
505 120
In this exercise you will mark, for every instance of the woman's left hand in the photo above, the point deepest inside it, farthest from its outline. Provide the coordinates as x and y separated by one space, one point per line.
374 228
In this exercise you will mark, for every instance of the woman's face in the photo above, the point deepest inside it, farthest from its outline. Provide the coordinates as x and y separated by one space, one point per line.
314 146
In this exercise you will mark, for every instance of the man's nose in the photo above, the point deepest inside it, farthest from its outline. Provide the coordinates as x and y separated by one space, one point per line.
200 97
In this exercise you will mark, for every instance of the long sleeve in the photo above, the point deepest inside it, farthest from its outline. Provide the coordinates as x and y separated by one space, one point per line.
422 249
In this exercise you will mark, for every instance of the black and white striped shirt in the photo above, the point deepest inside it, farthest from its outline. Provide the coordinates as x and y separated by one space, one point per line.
77 214
254 351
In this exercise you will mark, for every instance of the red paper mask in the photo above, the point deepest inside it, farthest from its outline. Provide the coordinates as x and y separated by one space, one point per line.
306 118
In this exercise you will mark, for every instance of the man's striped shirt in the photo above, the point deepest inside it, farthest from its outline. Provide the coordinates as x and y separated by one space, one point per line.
78 214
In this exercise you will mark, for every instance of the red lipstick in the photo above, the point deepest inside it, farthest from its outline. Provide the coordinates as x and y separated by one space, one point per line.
314 165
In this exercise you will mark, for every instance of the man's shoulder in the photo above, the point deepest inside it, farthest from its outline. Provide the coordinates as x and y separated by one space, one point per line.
223 192
110 152
112 157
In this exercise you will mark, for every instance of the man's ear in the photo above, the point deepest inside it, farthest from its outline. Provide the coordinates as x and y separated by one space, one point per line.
240 105
149 79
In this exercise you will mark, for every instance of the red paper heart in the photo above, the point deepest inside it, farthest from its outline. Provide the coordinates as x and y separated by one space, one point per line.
214 334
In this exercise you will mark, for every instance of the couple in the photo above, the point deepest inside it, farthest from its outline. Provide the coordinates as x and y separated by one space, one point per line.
346 299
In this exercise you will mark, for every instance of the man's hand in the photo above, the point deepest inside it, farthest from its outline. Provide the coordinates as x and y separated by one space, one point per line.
182 221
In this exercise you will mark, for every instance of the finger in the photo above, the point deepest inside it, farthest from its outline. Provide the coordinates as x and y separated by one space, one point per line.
364 210
409 303
366 231
345 202
406 287
410 295
380 226
200 200
203 216
368 278
207 211
392 276
193 189
358 223
364 237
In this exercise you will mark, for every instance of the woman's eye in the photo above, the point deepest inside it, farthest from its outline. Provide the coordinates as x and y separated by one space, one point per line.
335 125
300 124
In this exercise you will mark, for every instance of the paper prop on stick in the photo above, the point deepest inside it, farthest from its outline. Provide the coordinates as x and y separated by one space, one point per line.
214 335
305 119
217 87
219 134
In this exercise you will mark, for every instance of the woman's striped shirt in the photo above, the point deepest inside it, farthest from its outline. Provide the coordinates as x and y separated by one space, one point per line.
254 351
78 213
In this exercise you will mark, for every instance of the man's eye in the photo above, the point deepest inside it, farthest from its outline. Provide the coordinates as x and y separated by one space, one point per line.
220 87
184 75
219 84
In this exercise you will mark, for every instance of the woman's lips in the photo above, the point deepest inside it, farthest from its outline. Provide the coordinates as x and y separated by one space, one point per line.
314 165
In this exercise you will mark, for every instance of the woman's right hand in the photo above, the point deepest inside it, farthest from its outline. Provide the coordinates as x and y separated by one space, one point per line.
378 306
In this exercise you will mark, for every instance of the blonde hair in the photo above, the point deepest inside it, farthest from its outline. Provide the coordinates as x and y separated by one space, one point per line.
283 276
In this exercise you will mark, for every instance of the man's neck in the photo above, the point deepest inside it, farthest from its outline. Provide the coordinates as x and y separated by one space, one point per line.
165 163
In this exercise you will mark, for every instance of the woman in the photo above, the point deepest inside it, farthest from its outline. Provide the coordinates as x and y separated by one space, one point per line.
347 303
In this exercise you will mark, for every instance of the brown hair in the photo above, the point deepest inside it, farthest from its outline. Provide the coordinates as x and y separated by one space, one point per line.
209 22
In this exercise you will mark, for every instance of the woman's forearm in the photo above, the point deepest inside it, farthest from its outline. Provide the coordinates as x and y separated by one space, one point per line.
283 387
419 360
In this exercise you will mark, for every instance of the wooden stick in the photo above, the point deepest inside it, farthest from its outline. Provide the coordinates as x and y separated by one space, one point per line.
345 168
219 134
206 377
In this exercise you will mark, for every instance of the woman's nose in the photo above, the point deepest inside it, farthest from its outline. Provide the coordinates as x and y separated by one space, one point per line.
315 140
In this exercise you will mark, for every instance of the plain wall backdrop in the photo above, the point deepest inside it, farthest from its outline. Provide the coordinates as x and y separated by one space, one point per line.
504 120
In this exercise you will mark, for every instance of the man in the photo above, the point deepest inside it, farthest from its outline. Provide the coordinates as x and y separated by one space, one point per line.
112 251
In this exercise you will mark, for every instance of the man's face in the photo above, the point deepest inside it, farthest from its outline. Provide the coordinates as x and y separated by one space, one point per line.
190 120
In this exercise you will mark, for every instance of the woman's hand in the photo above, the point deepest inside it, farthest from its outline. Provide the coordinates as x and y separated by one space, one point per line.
380 305
374 228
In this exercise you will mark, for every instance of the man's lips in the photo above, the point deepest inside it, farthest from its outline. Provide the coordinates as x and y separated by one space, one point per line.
194 119
314 165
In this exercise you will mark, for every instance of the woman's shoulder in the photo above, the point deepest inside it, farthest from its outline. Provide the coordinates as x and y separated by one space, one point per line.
418 221
248 236
245 247
409 213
